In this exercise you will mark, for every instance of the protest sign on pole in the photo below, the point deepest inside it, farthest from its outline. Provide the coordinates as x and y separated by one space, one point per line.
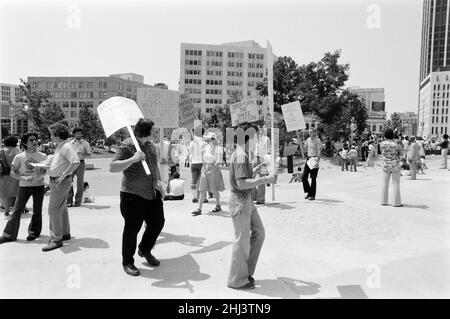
244 112
293 116
187 112
118 112
271 110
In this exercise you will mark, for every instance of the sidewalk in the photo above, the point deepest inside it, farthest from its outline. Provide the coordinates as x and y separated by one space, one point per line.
343 245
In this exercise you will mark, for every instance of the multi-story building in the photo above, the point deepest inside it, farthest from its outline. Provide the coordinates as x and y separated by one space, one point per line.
216 75
408 123
434 86
12 117
375 105
72 93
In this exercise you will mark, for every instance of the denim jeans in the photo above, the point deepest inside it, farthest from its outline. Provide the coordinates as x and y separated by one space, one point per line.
35 227
396 183
135 210
249 236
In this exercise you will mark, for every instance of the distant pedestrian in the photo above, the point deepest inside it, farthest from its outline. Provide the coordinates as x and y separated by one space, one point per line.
313 147
9 186
391 153
412 156
353 158
344 156
370 154
196 162
444 151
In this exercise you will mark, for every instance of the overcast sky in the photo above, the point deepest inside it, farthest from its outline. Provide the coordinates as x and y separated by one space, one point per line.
43 38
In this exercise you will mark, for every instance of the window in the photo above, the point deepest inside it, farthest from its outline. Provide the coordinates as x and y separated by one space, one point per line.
49 85
65 104
73 95
374 128
64 85
81 85
73 85
73 104
73 113
103 85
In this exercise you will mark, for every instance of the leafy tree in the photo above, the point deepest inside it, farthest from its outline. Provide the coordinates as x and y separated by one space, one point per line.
396 122
51 113
90 124
35 100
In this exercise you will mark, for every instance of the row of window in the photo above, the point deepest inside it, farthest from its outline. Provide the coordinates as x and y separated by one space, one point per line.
193 91
214 54
213 63
235 64
213 91
73 104
437 119
213 82
436 103
437 111
192 81
255 65
214 72
234 73
435 130
255 75
194 72
213 101
80 95
234 92
193 62
193 52
436 95
80 85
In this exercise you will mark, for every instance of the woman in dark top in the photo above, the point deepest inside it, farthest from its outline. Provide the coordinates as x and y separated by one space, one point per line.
444 151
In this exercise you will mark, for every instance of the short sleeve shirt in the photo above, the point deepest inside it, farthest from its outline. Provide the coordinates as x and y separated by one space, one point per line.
23 161
135 180
240 168
313 146
64 156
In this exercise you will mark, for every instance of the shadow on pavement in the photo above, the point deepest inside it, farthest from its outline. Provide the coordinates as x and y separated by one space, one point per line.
176 272
222 213
182 239
75 244
213 247
277 288
96 207
279 206
416 206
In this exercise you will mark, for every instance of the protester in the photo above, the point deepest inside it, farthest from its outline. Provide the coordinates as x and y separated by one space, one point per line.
140 196
391 153
30 184
196 150
444 151
9 186
62 165
176 188
211 177
261 152
412 155
313 147
352 158
83 150
248 228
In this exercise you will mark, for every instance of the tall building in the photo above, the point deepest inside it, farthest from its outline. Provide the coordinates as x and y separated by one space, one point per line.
375 105
434 86
72 93
408 123
12 118
215 75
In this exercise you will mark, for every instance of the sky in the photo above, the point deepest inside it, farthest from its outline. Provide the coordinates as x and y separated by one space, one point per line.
380 39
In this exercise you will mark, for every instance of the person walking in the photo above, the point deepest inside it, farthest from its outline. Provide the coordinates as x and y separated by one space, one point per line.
412 156
211 179
9 186
30 184
391 153
62 164
313 147
83 150
444 151
140 196
196 150
248 228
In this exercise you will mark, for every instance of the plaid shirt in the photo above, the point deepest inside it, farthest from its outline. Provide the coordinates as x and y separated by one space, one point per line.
391 153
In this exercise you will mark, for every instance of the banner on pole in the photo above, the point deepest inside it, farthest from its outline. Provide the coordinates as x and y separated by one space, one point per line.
244 112
160 105
187 113
293 116
118 112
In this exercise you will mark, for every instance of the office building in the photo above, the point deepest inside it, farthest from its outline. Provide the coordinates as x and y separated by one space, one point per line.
434 86
373 99
72 93
11 110
408 123
216 75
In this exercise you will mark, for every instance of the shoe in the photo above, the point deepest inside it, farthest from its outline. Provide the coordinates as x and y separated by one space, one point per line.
251 279
4 240
216 209
307 196
205 201
401 205
31 237
66 237
69 205
195 200
196 212
384 204
152 261
52 246
260 203
131 270
312 198
76 205
6 214
247 286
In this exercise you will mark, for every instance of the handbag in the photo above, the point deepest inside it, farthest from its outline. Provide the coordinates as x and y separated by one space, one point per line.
6 170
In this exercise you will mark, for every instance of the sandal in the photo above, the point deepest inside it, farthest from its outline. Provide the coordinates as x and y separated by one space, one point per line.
197 212
216 209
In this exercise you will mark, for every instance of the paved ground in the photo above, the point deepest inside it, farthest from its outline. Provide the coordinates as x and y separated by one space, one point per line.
343 245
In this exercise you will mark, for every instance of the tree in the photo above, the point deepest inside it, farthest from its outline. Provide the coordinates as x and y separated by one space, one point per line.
90 123
50 114
396 122
35 101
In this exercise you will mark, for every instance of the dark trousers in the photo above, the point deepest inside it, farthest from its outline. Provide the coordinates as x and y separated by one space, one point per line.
79 173
310 189
171 197
35 227
135 210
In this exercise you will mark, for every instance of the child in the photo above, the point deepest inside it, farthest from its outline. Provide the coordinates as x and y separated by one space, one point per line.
86 197
352 158
406 171
343 154
176 188
297 177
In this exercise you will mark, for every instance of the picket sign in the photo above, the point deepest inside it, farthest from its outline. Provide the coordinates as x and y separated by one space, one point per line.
118 112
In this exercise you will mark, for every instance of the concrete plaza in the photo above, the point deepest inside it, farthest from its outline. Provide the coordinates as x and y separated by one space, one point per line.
343 245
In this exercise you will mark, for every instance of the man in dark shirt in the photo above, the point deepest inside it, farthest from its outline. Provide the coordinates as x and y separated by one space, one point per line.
248 228
140 197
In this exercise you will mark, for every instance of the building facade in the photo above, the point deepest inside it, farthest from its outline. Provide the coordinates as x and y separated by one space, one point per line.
72 93
375 105
434 70
216 75
409 123
11 107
